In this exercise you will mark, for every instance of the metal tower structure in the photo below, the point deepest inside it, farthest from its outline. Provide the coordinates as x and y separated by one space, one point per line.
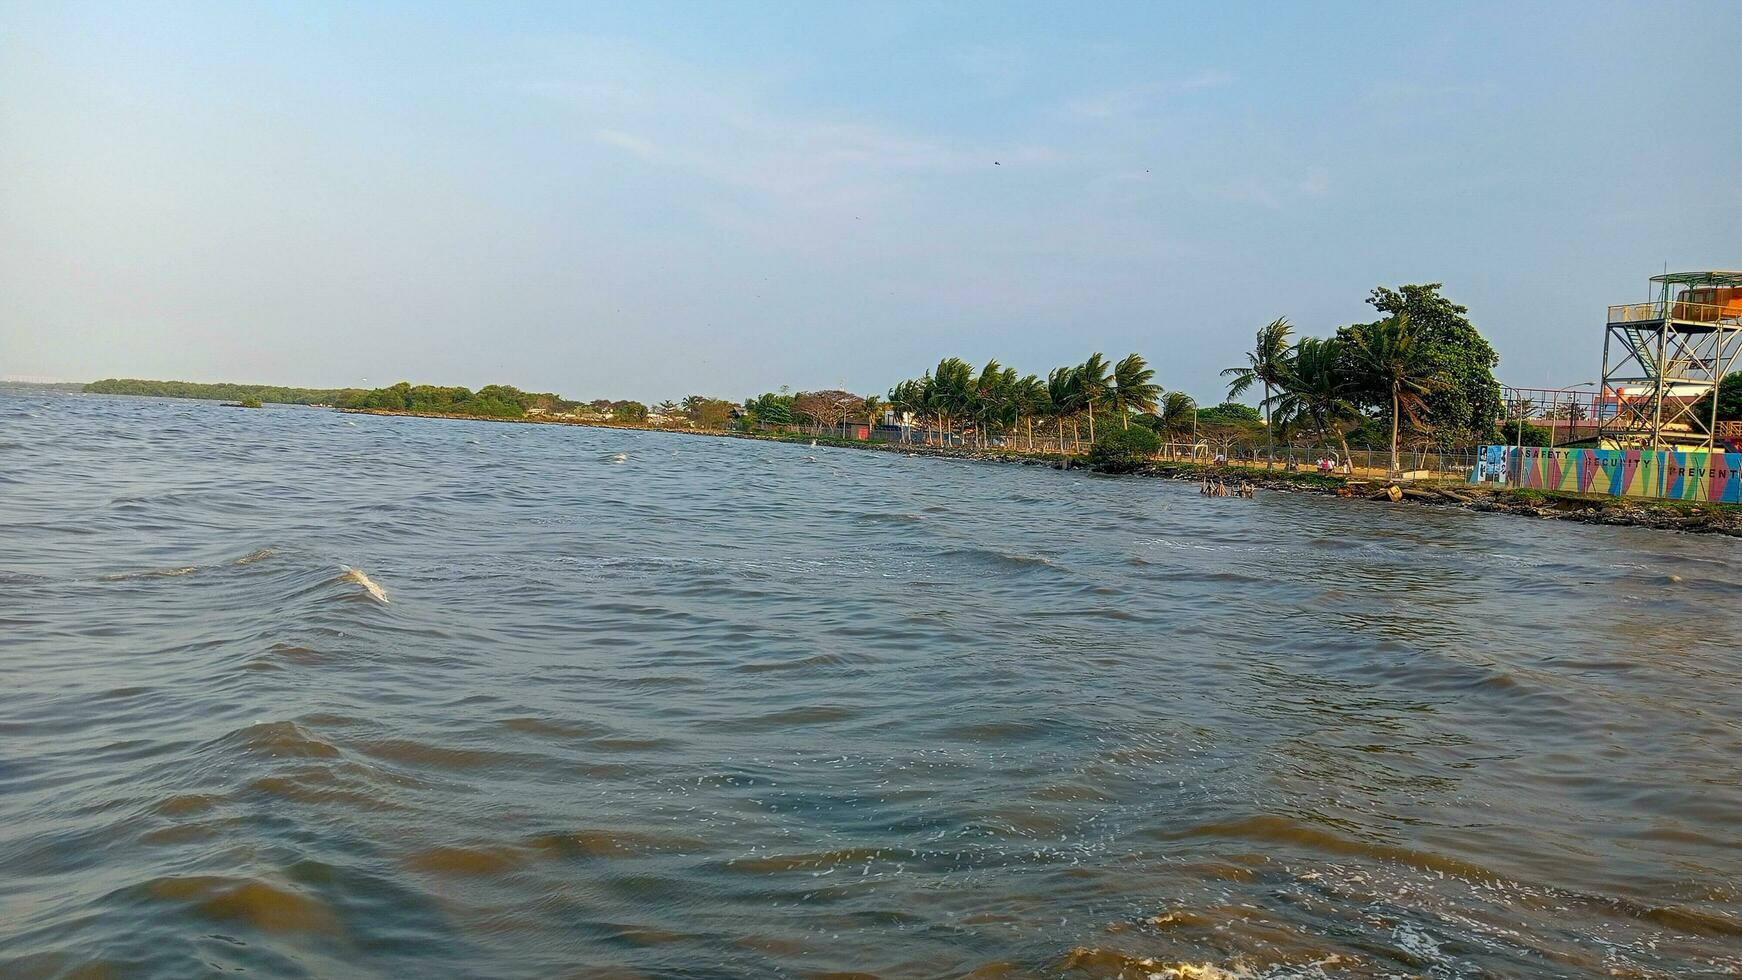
1660 357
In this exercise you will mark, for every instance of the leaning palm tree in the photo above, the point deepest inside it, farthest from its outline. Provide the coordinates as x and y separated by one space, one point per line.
1319 390
1393 366
1029 397
1177 410
1093 386
1134 388
988 398
951 394
1062 396
1265 364
872 406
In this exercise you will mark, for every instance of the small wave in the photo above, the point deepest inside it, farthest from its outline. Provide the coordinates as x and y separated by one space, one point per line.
781 720
1270 829
998 559
375 591
266 907
612 844
259 554
280 739
176 572
1110 963
466 862
802 663
890 518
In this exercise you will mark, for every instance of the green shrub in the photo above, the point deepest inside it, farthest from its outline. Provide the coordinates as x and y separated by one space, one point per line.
250 403
1123 450
1534 435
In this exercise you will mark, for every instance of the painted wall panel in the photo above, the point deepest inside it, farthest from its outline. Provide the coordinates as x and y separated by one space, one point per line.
1671 473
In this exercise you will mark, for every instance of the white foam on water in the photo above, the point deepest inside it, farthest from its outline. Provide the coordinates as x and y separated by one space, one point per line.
375 591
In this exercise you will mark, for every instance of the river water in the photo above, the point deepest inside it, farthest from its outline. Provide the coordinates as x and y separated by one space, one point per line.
603 703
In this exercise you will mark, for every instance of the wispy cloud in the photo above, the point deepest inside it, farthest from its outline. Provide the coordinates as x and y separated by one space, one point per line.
625 141
738 134
1121 103
1409 93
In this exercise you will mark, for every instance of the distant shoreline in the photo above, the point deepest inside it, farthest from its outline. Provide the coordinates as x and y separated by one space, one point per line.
1702 518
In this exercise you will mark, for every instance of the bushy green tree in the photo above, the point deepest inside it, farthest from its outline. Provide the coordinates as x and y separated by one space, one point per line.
1389 363
1466 402
709 413
770 409
1123 450
1228 413
1534 435
1729 403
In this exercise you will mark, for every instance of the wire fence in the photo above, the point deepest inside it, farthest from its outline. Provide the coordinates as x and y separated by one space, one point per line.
1417 463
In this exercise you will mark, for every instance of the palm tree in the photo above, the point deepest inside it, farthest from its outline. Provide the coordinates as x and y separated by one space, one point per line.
1177 409
1319 390
1093 385
906 399
1062 395
872 406
988 398
1134 387
1391 364
951 393
1266 363
1029 396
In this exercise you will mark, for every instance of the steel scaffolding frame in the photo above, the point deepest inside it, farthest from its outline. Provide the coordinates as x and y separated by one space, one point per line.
1661 357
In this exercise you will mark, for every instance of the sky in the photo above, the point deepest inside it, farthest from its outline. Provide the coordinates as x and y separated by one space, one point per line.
651 200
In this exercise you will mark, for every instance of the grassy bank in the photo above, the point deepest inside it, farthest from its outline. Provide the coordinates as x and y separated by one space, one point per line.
1674 515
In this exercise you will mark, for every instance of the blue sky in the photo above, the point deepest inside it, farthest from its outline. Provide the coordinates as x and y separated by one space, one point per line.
645 200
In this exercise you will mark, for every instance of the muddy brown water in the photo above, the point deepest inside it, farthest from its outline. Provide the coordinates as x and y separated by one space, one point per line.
293 693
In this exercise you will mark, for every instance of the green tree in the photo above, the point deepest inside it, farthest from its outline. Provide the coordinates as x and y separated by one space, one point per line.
908 399
1123 450
1094 387
1319 390
951 394
770 409
632 412
1266 364
1134 388
1729 403
1064 396
708 413
1229 413
1467 402
1178 412
1534 435
872 406
1029 396
1387 359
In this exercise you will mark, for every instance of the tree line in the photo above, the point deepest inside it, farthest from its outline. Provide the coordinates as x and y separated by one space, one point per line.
1422 371
220 391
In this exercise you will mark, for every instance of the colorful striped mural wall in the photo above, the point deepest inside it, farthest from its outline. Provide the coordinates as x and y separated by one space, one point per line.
1618 472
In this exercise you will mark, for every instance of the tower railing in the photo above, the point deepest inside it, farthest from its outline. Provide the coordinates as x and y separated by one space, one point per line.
1674 310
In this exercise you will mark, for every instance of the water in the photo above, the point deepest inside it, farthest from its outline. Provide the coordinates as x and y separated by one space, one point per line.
641 705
